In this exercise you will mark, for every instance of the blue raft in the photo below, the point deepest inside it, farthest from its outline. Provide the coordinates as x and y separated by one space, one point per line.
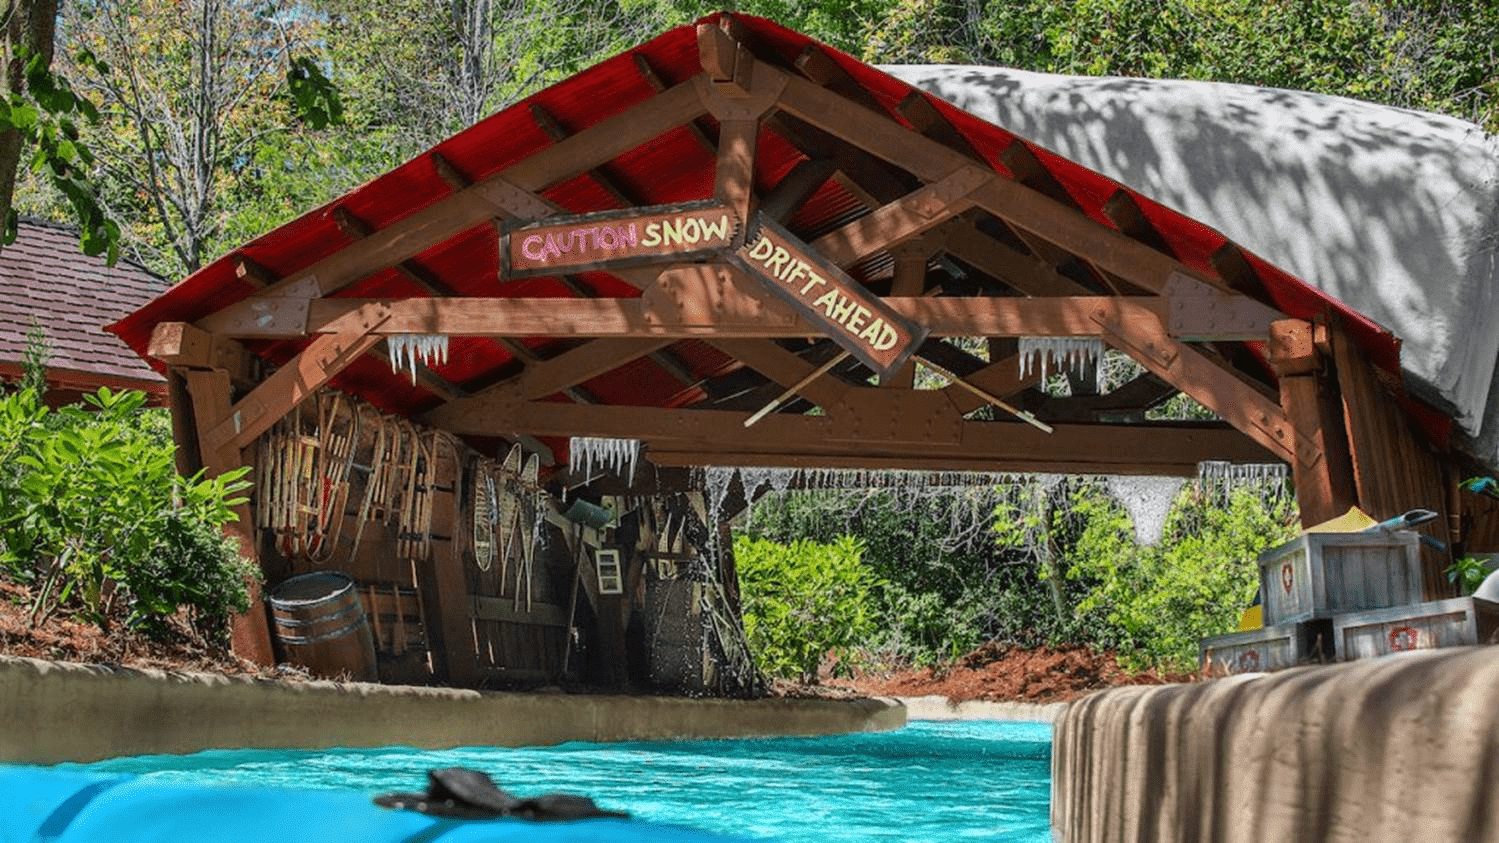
58 806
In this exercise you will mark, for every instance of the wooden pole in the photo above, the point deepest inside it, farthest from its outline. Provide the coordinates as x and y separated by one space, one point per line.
992 399
795 389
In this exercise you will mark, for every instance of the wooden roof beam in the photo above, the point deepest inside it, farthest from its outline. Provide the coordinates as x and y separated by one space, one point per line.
1125 212
298 380
1025 273
799 185
247 269
448 172
785 369
1150 448
649 317
583 363
1227 393
511 193
599 175
907 217
1023 208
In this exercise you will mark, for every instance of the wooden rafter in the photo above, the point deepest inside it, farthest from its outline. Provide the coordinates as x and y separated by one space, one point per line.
583 363
1024 208
1219 389
505 194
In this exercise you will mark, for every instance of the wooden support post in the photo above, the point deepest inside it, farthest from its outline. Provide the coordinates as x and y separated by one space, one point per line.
910 281
1324 487
250 635
452 633
734 178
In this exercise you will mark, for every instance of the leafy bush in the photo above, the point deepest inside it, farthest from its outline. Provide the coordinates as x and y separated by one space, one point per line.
92 510
942 583
1155 603
803 601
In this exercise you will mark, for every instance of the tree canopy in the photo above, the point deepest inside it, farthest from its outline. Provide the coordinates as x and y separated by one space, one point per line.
217 125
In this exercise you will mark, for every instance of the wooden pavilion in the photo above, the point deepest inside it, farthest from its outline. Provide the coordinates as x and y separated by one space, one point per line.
733 245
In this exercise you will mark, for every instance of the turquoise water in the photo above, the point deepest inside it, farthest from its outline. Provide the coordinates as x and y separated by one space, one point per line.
976 780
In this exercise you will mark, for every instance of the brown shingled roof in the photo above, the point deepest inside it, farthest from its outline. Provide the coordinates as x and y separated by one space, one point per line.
44 277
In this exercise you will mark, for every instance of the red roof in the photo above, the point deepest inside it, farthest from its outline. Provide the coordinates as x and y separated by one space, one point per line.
674 167
45 280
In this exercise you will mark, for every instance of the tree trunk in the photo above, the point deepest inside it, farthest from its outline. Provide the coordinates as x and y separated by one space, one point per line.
30 24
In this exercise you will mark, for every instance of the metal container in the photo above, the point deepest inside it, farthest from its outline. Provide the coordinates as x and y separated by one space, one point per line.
1269 648
1319 575
1424 626
320 625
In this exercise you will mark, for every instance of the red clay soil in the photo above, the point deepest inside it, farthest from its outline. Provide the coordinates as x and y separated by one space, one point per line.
63 638
994 672
1001 672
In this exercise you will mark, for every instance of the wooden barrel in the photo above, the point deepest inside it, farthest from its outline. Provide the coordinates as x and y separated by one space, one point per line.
320 625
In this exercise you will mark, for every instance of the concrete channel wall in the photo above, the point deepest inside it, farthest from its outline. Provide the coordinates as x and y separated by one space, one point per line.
51 712
1400 748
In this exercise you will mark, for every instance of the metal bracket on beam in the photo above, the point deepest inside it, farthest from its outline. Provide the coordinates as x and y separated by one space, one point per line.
514 201
1201 311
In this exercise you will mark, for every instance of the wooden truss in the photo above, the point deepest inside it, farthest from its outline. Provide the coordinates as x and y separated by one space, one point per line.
945 244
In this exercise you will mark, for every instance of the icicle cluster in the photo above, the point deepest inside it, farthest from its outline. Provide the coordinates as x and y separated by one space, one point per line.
1075 353
1148 500
407 349
616 455
1221 478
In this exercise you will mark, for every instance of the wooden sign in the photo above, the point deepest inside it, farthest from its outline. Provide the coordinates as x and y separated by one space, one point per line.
847 312
618 238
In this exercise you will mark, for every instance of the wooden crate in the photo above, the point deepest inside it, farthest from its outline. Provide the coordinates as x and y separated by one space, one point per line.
1423 626
1319 575
1269 648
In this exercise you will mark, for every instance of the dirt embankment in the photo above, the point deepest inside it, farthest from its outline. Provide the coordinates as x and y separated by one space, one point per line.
64 638
993 672
1003 673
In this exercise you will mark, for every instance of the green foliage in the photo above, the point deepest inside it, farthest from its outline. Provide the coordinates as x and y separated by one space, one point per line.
1426 54
942 582
44 114
315 96
803 601
92 509
1155 603
1468 573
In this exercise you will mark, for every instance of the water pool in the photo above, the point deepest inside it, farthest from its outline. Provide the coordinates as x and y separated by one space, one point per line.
977 780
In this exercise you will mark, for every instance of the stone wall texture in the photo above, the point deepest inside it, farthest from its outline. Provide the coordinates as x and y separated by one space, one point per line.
51 712
1399 748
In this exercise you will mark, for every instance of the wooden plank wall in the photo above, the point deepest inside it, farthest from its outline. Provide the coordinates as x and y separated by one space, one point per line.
1395 470
440 619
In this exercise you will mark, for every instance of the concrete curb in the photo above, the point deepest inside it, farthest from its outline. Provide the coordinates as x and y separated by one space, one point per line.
935 707
57 711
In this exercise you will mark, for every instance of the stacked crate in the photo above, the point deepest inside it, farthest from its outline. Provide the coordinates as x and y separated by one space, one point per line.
1305 584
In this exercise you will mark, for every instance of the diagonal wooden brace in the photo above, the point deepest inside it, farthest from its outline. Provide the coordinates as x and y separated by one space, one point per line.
1218 389
295 382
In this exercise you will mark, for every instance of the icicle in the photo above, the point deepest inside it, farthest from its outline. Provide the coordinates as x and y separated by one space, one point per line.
406 349
617 455
1148 500
1074 353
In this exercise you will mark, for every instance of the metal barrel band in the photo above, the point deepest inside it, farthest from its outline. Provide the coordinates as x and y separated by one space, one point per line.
293 623
325 636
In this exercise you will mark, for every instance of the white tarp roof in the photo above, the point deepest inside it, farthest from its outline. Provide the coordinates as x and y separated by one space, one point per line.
1394 212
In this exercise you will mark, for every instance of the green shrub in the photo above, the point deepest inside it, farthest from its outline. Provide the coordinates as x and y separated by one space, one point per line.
93 512
1158 602
803 601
